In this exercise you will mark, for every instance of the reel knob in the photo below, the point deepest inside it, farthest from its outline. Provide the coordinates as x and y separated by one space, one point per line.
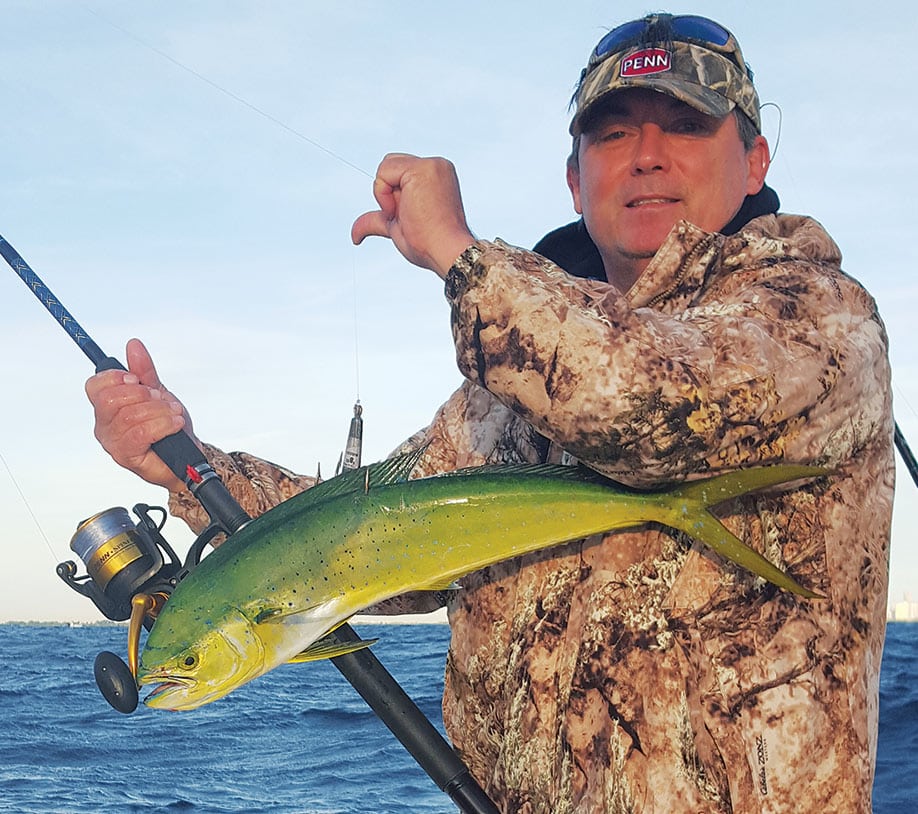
66 570
115 682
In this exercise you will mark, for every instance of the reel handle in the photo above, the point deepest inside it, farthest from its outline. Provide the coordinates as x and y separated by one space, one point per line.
188 463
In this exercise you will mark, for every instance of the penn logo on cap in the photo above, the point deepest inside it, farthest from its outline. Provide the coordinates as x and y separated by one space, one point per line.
646 61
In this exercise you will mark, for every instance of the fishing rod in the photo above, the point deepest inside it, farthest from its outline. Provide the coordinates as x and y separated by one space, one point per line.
128 577
906 454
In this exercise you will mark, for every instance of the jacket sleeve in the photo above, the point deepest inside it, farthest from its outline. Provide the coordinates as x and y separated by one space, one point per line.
777 360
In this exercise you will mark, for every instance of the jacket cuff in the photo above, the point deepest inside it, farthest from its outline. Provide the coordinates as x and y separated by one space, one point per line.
463 271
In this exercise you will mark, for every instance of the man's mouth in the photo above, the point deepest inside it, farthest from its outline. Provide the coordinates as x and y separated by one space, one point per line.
650 201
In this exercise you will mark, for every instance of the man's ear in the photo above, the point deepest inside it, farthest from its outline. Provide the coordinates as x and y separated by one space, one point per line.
758 159
573 183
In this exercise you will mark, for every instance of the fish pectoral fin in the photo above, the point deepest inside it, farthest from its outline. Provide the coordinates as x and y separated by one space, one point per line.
329 647
281 614
442 585
277 614
267 614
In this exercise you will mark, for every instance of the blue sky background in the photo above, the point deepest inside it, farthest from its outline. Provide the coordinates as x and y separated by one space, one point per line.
156 205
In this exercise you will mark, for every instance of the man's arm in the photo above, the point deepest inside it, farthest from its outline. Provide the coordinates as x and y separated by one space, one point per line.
774 362
652 384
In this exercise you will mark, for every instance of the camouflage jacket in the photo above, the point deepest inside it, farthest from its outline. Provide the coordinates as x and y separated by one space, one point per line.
637 672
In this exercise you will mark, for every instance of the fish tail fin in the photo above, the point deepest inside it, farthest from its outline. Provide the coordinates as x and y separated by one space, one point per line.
690 512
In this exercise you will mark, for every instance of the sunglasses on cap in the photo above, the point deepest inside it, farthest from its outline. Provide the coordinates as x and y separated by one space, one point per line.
682 27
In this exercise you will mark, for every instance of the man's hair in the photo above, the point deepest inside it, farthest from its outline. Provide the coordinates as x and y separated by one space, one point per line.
744 126
746 129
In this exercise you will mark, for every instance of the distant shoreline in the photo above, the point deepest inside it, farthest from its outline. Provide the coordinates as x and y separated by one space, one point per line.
435 618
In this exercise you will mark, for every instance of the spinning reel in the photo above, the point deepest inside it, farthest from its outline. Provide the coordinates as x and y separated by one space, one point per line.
131 570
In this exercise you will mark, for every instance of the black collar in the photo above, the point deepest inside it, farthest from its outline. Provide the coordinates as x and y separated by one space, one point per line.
572 248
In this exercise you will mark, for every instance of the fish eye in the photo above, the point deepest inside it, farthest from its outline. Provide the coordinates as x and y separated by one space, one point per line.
190 660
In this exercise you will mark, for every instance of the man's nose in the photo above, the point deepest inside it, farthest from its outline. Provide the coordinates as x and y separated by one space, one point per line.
651 152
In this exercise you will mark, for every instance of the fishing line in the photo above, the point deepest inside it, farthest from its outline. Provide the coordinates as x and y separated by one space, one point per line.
28 506
776 106
235 97
905 451
356 329
274 120
901 394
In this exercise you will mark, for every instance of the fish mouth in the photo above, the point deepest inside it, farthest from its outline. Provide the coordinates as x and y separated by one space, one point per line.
197 674
166 689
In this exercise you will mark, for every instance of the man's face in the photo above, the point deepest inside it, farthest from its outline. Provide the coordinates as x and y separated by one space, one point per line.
647 161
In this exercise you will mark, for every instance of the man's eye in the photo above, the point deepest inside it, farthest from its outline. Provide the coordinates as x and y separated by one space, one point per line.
613 133
690 127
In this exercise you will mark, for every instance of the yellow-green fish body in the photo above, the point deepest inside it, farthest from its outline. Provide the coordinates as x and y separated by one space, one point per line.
292 575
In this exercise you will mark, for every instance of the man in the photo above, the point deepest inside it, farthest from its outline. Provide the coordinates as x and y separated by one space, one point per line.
638 672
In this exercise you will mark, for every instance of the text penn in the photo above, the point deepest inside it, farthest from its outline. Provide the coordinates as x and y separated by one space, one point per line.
646 61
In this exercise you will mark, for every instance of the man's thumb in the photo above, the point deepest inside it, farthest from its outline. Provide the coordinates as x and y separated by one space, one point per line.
141 364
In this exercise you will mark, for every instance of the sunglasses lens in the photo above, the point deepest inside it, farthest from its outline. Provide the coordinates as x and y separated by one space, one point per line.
618 37
700 28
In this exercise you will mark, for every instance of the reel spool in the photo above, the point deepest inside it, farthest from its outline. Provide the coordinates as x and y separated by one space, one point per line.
121 559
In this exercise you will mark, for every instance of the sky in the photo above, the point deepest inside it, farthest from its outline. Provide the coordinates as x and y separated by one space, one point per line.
188 173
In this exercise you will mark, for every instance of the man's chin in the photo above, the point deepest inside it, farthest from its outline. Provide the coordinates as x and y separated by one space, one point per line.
641 253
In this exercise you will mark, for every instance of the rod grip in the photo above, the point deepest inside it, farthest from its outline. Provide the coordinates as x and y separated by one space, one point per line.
187 462
108 363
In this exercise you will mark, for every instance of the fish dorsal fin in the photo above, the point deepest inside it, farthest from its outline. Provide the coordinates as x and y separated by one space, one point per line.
394 470
389 471
578 473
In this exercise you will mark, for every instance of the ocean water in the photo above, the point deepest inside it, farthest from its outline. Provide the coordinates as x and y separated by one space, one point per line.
298 741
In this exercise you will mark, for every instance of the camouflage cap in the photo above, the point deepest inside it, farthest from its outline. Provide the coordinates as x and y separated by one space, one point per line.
711 77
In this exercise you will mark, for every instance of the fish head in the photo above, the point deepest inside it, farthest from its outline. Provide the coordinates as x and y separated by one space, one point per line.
191 660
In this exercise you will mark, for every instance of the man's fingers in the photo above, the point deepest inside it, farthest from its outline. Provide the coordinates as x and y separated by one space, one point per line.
103 381
123 407
140 427
391 169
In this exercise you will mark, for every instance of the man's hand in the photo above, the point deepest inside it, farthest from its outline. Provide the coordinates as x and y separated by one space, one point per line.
420 210
133 411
